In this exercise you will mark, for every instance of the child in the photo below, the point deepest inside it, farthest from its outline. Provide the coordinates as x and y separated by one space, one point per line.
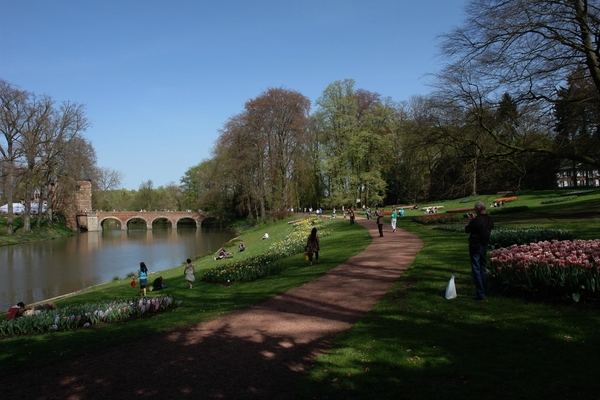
133 281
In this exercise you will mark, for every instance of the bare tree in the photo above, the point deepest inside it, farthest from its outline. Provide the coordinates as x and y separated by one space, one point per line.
278 118
523 47
13 117
105 179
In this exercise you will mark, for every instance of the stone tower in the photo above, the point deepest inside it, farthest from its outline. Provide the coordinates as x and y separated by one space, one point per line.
84 192
83 202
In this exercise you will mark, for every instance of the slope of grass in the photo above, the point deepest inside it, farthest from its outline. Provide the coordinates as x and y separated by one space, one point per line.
204 302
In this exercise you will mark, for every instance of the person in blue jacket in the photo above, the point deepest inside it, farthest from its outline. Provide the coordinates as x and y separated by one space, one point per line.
143 275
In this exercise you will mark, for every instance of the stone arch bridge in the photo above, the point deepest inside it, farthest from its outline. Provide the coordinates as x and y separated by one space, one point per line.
92 220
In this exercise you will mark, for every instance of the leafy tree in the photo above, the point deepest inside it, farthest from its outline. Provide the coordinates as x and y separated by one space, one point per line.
351 128
144 199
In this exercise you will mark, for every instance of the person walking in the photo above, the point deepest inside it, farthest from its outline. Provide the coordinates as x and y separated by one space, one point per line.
312 246
143 275
394 217
479 229
351 212
380 222
188 272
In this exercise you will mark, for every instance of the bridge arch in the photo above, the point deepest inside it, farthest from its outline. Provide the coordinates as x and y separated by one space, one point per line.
196 223
110 219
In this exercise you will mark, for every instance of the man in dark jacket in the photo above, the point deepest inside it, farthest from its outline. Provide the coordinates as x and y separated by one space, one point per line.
380 222
479 228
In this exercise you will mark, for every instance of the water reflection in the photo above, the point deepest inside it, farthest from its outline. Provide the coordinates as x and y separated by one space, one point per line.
37 271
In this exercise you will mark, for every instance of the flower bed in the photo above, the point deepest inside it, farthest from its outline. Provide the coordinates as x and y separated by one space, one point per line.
578 192
266 264
569 268
436 219
558 199
73 317
506 199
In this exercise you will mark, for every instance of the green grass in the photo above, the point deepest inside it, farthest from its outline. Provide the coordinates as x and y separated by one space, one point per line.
44 232
414 343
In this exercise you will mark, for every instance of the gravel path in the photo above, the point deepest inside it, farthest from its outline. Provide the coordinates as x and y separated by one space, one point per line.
256 353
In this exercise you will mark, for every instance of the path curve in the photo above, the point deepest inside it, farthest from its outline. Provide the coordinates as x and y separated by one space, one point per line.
256 353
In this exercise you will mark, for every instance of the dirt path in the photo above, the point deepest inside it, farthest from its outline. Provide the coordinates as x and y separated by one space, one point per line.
256 353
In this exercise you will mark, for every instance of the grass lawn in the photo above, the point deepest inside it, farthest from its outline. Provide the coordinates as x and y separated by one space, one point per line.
414 343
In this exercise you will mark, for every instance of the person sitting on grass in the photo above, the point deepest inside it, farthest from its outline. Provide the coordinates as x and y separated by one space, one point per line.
158 284
222 254
241 247
15 311
46 307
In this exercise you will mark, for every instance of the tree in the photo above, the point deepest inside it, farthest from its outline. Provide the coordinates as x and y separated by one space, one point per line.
526 48
259 150
105 180
145 196
577 112
13 115
351 128
35 134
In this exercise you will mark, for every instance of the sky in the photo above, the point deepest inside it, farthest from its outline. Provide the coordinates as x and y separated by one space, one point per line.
159 79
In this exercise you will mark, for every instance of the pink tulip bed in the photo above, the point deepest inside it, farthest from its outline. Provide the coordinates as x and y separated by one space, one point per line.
557 267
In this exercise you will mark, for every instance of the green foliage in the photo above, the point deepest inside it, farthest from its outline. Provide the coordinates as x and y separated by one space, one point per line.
85 315
505 237
507 210
436 219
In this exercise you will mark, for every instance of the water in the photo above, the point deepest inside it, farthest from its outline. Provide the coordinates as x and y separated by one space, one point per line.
37 271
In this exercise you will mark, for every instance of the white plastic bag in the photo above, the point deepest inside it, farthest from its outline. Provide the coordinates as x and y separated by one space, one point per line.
451 289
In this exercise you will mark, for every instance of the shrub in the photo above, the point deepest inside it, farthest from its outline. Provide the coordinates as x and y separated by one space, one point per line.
452 227
436 219
459 210
73 317
505 237
578 192
507 210
565 268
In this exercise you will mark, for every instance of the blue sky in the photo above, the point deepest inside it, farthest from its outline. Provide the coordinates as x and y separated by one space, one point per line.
160 78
